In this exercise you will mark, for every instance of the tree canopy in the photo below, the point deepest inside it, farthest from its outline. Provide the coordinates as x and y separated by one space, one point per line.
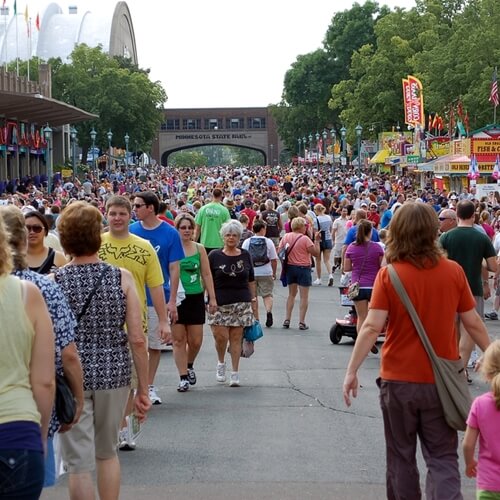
355 78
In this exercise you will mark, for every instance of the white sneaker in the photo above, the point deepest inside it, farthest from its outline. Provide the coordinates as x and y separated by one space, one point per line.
153 396
221 372
183 386
472 360
235 380
125 441
317 282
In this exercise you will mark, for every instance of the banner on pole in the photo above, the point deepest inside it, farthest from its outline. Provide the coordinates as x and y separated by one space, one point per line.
413 99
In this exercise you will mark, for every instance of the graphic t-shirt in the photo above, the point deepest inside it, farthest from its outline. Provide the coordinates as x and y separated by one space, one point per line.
211 217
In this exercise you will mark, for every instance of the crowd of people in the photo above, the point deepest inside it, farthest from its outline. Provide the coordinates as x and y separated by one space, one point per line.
142 261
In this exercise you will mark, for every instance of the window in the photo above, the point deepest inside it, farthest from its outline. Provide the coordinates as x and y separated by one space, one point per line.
235 123
172 124
190 124
256 122
213 123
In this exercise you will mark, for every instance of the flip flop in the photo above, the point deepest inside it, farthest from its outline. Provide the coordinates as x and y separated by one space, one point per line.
286 323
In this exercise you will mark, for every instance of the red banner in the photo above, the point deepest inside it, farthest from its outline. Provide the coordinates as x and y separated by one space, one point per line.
413 99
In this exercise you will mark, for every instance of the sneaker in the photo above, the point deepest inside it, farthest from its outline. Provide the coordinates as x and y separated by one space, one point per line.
491 315
183 386
269 319
472 360
467 376
191 376
317 282
330 280
235 380
221 372
153 396
125 441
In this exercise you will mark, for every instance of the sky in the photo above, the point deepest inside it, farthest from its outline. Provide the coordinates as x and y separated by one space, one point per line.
225 53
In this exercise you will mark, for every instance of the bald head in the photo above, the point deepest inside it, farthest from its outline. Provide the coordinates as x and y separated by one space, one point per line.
447 220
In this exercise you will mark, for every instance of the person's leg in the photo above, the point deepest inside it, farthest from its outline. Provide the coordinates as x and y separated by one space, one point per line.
361 307
179 342
303 303
290 301
108 478
317 260
400 417
235 338
154 362
194 341
466 345
326 258
268 303
81 486
439 444
221 338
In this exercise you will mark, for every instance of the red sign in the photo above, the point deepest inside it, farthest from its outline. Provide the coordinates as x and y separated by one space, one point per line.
413 99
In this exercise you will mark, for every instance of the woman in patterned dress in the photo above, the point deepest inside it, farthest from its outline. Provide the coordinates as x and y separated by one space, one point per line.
235 292
103 345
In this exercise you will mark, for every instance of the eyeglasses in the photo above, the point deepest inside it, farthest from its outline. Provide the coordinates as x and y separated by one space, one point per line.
139 205
444 218
185 228
34 229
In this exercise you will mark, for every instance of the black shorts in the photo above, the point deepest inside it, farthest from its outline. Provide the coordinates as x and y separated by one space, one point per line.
364 294
192 310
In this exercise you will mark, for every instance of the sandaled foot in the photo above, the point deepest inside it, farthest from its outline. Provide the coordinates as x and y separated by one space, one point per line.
303 326
286 323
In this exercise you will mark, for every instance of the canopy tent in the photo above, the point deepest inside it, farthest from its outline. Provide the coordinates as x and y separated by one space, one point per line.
380 156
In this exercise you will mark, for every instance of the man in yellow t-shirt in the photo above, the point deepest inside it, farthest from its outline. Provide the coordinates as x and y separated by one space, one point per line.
137 255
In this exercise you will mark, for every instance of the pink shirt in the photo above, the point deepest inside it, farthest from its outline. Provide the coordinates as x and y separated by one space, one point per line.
485 417
299 256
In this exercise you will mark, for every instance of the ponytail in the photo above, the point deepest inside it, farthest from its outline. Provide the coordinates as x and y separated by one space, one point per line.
364 228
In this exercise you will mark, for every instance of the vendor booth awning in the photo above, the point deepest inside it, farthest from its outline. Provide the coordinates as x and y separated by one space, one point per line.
36 108
380 156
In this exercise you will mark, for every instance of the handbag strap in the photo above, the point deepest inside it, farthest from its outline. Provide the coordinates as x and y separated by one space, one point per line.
364 260
405 299
91 294
287 252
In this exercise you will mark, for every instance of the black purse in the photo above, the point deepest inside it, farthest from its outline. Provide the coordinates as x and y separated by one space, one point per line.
65 403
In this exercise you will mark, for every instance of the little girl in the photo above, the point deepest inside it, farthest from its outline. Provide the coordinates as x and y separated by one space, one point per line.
484 422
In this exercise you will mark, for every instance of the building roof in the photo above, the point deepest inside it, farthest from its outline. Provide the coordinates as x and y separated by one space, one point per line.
35 108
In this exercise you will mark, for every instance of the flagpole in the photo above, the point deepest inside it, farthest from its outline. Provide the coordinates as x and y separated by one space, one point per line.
495 103
17 46
29 47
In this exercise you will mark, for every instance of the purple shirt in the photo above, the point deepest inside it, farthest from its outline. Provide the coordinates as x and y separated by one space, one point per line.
364 273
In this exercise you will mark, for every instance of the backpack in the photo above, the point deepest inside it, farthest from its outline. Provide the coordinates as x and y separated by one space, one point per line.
258 250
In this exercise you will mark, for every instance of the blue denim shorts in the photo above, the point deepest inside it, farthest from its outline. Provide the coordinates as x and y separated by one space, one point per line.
364 294
21 474
298 275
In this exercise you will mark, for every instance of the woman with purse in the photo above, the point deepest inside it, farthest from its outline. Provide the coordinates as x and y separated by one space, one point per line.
299 248
409 398
324 226
105 301
363 258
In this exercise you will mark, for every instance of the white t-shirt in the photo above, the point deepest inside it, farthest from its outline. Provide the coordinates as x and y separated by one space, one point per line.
266 269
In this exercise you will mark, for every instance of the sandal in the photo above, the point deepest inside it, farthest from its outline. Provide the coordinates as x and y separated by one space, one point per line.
303 326
286 323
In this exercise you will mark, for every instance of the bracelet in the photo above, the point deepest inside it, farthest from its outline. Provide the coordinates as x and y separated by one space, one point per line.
254 299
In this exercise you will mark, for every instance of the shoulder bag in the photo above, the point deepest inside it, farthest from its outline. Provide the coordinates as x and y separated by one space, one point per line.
283 256
353 289
451 383
65 404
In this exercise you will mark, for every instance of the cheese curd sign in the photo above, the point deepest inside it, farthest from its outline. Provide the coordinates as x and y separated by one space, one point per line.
413 99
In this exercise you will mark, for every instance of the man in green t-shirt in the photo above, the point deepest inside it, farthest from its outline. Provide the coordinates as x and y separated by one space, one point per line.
209 220
468 246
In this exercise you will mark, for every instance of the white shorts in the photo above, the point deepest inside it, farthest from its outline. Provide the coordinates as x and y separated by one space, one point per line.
154 340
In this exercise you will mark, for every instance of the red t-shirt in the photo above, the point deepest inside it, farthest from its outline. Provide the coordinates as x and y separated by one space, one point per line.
438 294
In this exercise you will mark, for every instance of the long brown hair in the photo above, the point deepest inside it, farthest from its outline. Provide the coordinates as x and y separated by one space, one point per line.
364 229
413 236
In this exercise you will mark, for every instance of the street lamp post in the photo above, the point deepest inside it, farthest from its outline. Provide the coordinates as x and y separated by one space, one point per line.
127 138
47 132
310 146
72 134
272 156
343 133
110 137
334 144
93 135
325 135
317 147
359 130
299 140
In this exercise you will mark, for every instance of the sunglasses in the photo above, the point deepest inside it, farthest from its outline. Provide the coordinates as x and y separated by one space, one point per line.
35 229
139 205
184 228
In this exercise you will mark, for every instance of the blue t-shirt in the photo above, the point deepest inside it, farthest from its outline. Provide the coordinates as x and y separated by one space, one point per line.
386 219
351 235
167 243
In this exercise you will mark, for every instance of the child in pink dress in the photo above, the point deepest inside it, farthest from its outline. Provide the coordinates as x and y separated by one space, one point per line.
484 423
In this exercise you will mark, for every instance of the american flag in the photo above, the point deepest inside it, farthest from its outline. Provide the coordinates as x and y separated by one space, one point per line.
494 90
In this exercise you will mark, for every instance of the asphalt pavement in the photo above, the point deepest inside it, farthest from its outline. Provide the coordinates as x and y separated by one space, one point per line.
284 434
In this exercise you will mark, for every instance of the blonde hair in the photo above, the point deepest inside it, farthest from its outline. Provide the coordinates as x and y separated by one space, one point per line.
13 219
5 253
490 368
298 223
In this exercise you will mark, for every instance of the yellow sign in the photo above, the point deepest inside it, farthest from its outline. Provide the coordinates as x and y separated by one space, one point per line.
65 172
485 147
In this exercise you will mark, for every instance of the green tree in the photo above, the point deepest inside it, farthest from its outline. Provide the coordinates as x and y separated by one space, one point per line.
126 101
187 159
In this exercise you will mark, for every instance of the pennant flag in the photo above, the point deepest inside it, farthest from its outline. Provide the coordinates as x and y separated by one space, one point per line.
473 172
37 22
26 15
494 90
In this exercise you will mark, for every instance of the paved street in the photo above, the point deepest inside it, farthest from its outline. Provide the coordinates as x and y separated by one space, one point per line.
284 434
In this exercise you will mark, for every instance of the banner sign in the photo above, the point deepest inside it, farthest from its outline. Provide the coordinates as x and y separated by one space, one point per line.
413 100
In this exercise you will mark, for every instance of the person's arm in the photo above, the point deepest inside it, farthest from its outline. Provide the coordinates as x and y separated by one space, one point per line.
42 364
252 285
173 269
59 259
475 328
274 267
346 264
372 326
197 232
314 249
137 342
208 280
468 447
73 372
158 299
